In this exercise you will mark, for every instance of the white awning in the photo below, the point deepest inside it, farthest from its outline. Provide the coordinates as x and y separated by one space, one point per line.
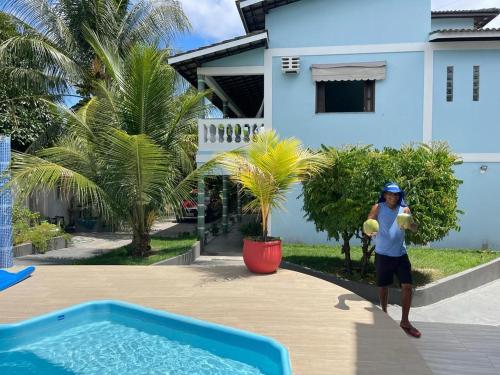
363 71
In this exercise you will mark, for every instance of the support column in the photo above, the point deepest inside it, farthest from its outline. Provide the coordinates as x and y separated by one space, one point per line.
201 210
6 259
225 218
225 109
201 187
238 203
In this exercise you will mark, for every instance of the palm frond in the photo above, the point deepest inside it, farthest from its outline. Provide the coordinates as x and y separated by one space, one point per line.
31 173
55 62
151 20
268 169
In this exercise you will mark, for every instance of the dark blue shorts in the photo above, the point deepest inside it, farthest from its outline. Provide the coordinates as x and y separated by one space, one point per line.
387 267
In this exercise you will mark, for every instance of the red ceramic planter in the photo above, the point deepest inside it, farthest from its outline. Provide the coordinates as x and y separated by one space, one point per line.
262 257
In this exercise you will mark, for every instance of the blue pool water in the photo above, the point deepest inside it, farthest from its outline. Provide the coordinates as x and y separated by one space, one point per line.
117 338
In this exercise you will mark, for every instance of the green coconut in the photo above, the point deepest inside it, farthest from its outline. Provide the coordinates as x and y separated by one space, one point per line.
370 226
405 220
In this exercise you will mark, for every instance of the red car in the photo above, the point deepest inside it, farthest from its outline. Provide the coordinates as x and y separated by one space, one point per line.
189 207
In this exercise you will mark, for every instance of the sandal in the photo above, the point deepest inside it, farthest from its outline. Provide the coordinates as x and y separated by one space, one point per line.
412 331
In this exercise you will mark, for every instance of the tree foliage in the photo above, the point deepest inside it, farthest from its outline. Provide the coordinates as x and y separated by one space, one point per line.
268 169
54 44
22 117
338 199
128 149
426 175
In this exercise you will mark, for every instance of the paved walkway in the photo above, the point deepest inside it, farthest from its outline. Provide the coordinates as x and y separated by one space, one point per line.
461 334
225 249
88 245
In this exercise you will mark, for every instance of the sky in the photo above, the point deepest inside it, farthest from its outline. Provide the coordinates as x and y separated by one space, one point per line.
216 20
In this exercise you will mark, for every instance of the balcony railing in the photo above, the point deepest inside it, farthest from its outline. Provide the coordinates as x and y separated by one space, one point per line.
227 134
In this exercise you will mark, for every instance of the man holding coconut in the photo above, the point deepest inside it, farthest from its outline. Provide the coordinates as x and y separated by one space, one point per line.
393 217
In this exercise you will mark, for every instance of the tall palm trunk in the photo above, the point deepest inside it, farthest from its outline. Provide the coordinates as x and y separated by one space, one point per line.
265 217
141 243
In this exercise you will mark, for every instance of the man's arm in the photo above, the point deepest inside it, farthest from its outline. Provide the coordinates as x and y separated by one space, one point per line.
373 215
413 226
373 212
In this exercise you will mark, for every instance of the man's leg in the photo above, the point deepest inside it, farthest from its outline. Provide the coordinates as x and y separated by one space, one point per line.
406 291
385 274
405 278
383 293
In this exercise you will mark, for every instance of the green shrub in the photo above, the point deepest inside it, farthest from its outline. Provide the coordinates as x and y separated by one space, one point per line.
23 219
339 199
41 234
251 229
28 228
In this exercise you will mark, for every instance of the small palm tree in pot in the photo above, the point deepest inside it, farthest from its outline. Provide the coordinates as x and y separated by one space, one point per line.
268 169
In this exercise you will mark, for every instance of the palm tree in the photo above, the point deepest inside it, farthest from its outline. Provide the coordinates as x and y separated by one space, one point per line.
268 169
128 149
54 48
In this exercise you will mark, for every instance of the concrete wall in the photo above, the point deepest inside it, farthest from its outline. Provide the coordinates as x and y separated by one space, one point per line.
469 126
49 205
340 22
398 104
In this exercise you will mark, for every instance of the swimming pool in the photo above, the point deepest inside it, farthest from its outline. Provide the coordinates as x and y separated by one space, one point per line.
112 337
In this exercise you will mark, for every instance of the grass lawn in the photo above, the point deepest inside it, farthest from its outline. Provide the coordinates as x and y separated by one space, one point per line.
162 248
428 264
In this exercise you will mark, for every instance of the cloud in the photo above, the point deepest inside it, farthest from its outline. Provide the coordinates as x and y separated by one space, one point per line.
213 19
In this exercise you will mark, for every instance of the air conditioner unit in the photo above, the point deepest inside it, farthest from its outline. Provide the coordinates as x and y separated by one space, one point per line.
290 64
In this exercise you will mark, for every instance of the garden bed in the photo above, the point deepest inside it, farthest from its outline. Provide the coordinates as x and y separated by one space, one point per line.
162 249
429 264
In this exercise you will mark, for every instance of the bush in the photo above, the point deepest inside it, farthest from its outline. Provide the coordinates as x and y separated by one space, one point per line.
22 220
252 229
28 228
338 199
41 234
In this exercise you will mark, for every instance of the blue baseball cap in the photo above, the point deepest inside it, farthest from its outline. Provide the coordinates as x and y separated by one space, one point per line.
392 187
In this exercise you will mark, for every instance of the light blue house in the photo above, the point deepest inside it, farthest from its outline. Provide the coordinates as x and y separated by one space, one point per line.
411 75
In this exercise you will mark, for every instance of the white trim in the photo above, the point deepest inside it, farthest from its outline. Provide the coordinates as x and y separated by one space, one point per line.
247 3
450 35
214 86
480 158
268 88
231 71
428 95
217 48
349 49
355 49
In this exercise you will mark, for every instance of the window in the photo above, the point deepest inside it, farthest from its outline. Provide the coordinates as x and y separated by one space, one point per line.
345 96
449 84
475 83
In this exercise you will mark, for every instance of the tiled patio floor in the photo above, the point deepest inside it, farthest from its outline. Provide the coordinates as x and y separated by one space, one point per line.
327 329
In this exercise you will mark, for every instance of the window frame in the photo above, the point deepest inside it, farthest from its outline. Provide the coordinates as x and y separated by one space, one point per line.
368 97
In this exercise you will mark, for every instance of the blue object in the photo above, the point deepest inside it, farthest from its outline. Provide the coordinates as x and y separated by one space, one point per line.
390 239
111 337
6 259
10 278
392 187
